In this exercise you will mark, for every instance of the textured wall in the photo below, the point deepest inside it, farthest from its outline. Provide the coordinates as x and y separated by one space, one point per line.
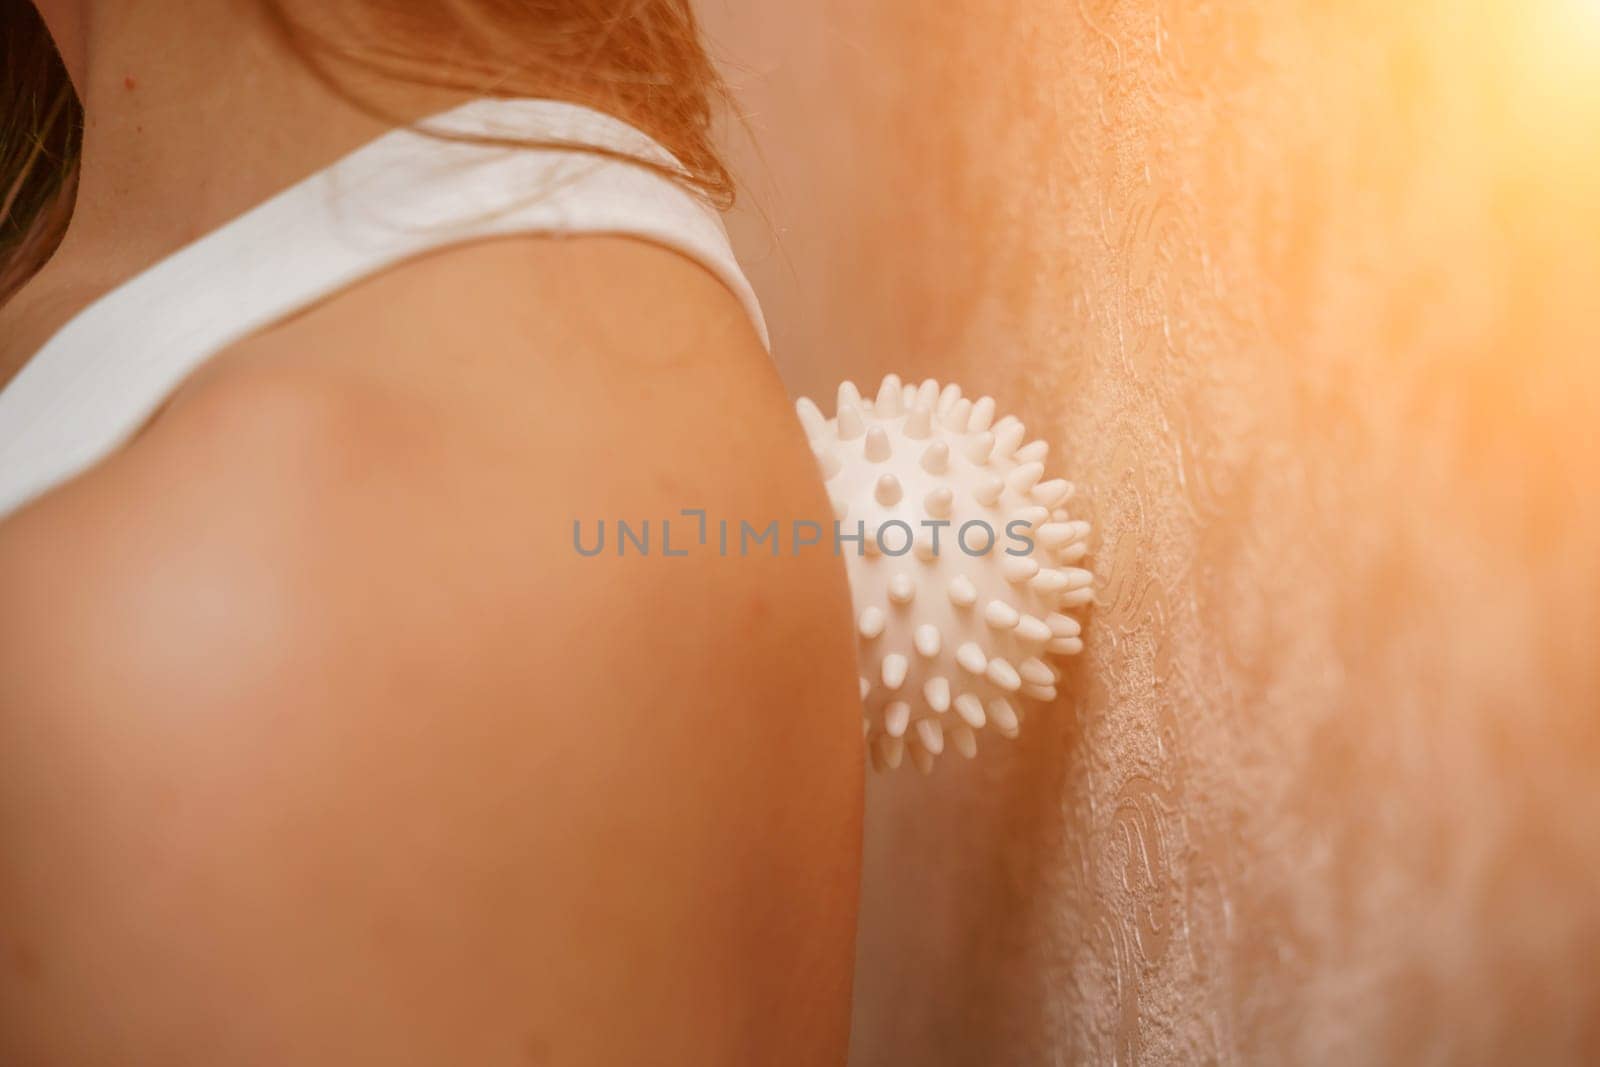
1306 297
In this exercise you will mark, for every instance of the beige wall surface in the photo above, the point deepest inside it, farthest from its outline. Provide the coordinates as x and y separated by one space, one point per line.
1306 298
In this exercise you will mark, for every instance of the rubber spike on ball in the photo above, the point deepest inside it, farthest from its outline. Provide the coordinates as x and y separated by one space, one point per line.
955 634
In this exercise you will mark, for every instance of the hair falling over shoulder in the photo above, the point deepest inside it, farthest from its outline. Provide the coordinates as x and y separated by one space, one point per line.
641 60
41 126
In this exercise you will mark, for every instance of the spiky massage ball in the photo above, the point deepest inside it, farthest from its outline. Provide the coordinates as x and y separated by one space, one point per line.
963 573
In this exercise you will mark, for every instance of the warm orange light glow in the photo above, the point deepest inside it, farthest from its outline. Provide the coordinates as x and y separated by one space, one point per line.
1561 51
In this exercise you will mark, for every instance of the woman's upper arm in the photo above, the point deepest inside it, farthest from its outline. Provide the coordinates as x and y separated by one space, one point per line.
320 742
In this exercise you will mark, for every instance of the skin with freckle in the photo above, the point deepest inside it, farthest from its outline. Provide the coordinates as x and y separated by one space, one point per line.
319 744
1302 295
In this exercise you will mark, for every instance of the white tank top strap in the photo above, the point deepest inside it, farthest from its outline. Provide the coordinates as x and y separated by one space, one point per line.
108 369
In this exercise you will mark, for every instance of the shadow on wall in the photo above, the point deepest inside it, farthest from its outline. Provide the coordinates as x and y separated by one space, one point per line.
1303 296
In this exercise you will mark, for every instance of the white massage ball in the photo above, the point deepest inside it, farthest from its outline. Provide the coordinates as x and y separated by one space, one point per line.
965 569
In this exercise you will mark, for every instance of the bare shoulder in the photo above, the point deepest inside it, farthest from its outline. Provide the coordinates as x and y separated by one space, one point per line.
310 706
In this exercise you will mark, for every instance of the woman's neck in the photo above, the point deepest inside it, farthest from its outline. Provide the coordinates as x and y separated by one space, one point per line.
194 111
